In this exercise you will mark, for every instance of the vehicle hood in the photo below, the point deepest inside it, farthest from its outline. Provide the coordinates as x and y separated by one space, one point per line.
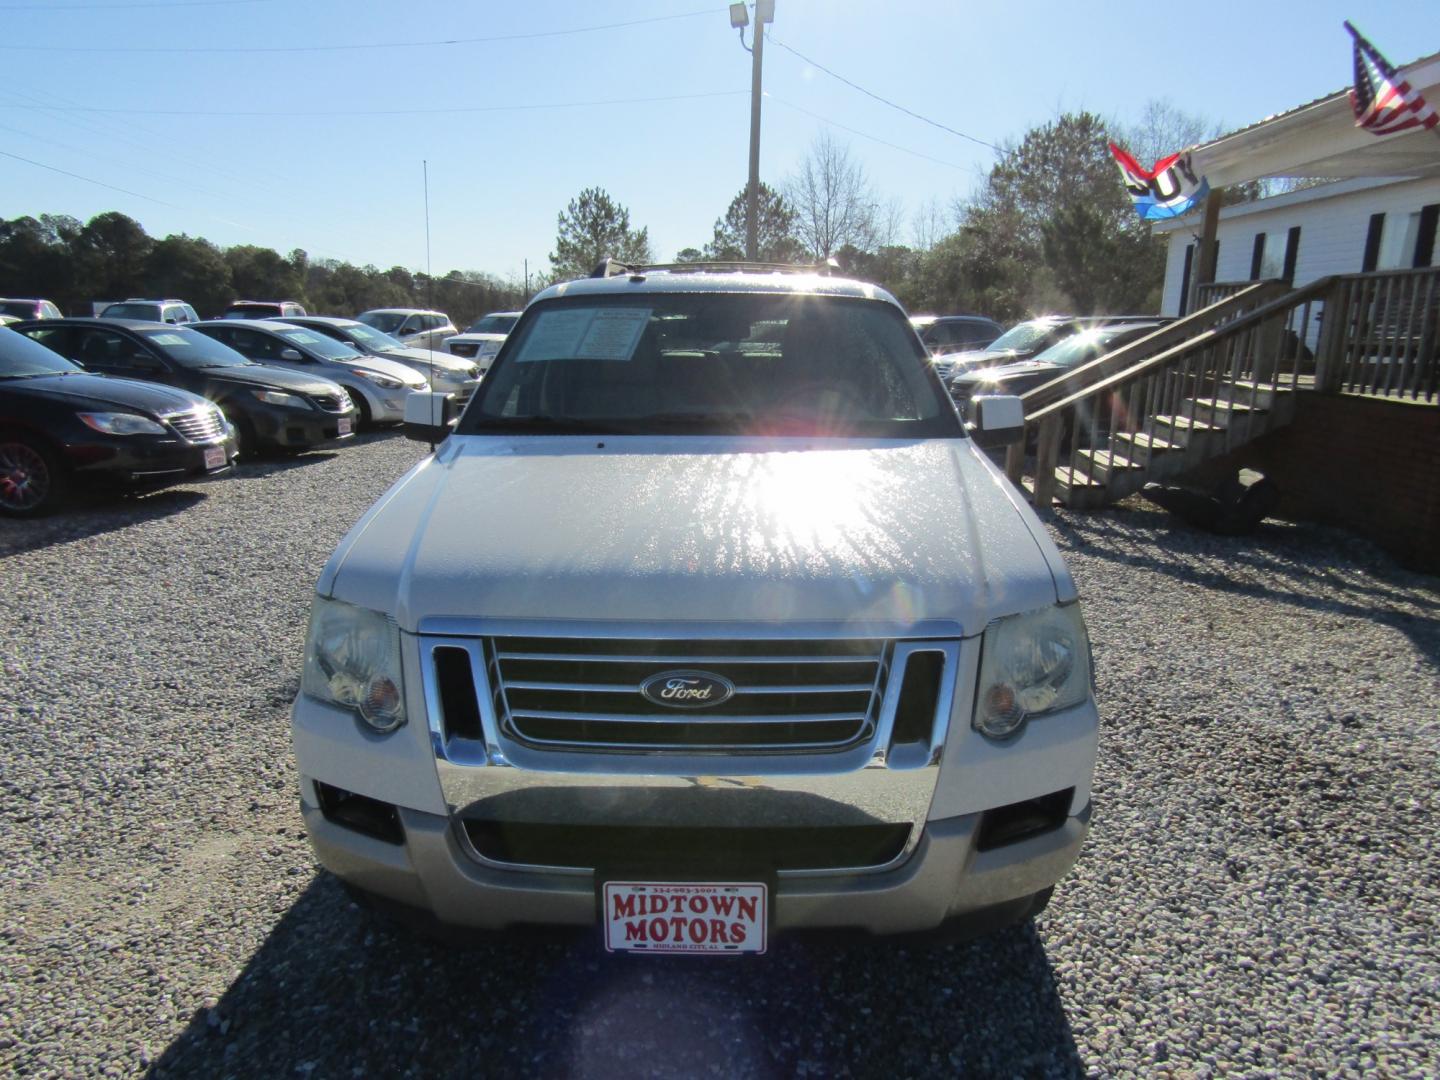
100 392
271 377
379 364
881 536
427 358
1024 369
478 338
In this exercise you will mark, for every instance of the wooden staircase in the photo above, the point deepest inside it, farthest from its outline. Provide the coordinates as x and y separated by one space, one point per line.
1194 390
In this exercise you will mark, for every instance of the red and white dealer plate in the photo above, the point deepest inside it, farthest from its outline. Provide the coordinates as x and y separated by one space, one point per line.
215 458
680 917
343 425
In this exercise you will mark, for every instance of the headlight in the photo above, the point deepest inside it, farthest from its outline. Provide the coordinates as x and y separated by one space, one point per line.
279 397
378 379
121 423
352 659
1031 664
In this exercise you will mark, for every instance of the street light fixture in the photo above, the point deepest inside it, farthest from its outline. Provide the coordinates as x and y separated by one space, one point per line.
739 16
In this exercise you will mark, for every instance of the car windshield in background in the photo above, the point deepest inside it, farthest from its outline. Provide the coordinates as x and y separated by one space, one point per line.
387 322
21 358
149 312
371 337
192 349
714 363
23 311
493 324
1024 336
319 344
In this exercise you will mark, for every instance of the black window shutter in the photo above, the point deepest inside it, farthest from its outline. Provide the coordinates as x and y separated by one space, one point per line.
1372 243
1185 278
1292 252
1425 242
1257 255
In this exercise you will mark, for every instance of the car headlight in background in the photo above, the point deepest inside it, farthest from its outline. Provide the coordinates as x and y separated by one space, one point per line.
121 423
1031 664
279 397
352 659
379 380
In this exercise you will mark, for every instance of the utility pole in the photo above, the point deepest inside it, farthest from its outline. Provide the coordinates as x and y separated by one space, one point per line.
764 13
429 277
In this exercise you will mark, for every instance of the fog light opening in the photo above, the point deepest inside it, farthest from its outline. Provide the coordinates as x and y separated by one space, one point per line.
361 814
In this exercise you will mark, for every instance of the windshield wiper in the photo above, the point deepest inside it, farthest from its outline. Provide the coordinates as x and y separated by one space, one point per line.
541 423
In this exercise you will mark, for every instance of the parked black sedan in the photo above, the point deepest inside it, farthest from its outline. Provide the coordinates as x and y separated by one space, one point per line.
61 427
271 408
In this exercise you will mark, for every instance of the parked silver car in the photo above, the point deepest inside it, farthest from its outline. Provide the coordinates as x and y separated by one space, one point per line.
378 386
446 374
162 311
413 326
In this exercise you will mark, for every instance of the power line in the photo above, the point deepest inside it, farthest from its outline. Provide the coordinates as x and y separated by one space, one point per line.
394 112
172 49
125 7
88 180
862 134
882 100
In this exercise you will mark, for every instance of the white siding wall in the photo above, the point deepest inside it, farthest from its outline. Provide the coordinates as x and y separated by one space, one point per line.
1332 232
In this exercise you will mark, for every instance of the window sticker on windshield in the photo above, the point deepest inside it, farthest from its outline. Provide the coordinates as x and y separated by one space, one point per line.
585 334
168 339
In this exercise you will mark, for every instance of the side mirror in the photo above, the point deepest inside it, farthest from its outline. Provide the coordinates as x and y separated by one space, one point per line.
427 416
294 356
999 420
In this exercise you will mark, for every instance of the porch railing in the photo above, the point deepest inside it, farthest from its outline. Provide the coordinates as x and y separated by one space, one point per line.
1212 292
1382 335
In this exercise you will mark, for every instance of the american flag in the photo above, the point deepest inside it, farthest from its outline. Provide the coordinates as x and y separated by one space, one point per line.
1383 102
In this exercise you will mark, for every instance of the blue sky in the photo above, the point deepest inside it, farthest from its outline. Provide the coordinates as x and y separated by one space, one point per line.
348 184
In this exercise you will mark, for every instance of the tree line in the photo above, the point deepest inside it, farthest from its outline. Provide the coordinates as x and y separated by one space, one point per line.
1050 228
111 257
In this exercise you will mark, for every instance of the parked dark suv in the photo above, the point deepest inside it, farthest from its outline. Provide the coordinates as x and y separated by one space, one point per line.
271 408
61 427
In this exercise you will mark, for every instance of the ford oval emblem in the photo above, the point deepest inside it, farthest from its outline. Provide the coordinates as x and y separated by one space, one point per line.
687 689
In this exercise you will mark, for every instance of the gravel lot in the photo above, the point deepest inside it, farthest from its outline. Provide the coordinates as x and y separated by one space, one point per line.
1259 896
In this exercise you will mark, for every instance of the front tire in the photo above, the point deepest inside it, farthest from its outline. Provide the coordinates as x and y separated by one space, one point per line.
33 482
362 411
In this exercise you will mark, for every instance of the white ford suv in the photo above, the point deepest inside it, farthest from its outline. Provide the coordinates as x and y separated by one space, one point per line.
708 620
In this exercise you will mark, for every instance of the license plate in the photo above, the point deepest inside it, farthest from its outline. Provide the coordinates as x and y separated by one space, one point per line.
215 457
344 425
680 917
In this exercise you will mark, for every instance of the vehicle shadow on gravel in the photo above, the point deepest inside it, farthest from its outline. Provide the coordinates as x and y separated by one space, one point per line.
337 992
1275 563
92 515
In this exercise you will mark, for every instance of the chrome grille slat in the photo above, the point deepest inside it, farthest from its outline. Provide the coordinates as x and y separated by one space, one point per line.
707 719
198 425
584 694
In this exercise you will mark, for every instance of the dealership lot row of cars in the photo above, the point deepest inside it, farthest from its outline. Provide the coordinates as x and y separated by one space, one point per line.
269 377
140 403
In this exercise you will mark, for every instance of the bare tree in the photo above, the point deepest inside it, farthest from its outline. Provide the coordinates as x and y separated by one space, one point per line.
833 202
930 225
1164 129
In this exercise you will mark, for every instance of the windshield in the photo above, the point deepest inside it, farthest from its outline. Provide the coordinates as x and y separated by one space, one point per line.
713 363
132 311
372 338
22 309
319 344
20 357
192 349
493 324
387 322
1025 337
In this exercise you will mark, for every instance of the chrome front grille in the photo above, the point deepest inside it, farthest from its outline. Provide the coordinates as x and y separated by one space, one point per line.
585 694
201 424
331 403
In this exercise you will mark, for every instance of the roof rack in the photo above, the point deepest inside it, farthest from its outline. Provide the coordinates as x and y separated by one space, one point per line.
613 267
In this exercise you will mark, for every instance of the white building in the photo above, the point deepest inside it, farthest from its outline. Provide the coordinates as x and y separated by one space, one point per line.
1379 214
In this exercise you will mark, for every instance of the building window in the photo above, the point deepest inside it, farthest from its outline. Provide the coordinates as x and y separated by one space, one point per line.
1397 241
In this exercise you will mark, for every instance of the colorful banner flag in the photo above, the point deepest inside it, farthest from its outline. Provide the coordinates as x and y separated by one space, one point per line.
1383 102
1169 190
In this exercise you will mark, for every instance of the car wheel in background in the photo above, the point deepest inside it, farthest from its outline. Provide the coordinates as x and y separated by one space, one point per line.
362 411
245 448
32 480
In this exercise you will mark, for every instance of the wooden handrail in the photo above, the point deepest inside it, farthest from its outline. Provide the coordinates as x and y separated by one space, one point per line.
1248 321
1181 329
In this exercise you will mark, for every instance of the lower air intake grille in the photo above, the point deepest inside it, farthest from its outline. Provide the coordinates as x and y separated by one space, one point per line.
577 694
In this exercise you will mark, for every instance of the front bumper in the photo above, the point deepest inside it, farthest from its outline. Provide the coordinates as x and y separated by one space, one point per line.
298 429
944 878
144 462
